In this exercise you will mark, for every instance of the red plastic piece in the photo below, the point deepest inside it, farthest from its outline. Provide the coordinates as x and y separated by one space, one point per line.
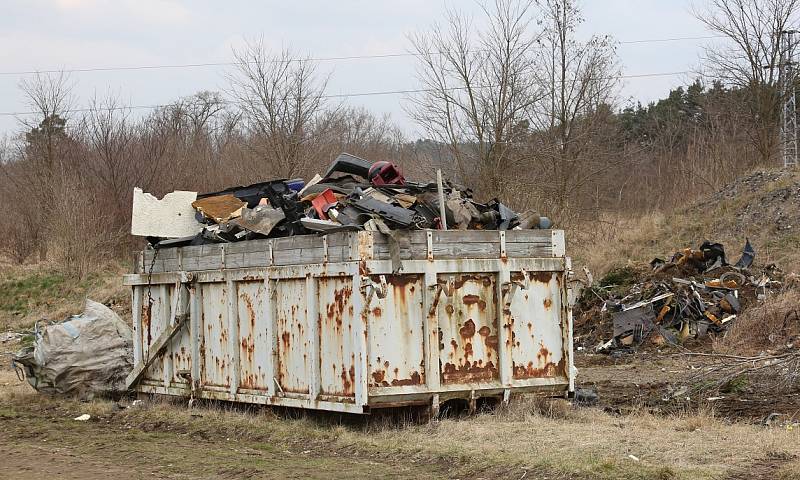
322 202
385 173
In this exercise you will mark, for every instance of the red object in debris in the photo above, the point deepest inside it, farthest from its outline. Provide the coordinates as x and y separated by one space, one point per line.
385 173
322 203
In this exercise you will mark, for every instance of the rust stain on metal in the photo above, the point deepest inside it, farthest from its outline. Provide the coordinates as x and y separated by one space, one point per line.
548 302
449 309
402 281
377 311
545 368
251 314
468 330
378 377
474 300
146 317
347 380
416 379
469 372
248 347
335 310
541 277
485 280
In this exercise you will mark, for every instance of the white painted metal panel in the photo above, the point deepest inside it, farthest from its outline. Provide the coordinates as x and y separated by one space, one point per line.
254 348
396 335
468 342
337 352
154 321
214 349
293 329
536 316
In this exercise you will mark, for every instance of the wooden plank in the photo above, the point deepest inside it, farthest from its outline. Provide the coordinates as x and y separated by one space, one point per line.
344 246
302 241
444 251
298 256
523 250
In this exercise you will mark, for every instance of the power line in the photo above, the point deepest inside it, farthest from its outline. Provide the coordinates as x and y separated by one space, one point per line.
320 59
334 95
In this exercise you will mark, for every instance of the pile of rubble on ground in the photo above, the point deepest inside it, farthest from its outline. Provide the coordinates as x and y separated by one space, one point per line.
354 194
693 294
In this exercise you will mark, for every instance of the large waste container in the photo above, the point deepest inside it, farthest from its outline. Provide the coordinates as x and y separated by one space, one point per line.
355 321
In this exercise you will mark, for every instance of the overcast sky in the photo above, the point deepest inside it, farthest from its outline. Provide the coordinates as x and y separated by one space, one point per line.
64 34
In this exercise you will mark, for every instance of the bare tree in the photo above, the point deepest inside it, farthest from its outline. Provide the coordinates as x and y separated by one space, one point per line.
280 97
750 58
50 97
109 136
44 153
580 81
479 85
357 131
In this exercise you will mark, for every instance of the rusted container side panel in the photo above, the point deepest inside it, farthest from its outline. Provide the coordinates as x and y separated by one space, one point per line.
472 314
293 331
214 351
535 311
337 354
254 348
468 330
154 321
396 356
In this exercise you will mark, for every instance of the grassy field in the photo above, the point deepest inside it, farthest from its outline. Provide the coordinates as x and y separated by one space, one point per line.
31 293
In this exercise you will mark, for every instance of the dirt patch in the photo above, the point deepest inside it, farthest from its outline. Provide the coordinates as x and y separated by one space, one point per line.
663 384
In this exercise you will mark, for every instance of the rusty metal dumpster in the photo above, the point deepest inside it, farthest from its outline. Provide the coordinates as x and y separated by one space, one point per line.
355 321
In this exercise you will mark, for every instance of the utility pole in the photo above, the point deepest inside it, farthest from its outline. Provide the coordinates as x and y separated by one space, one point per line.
786 80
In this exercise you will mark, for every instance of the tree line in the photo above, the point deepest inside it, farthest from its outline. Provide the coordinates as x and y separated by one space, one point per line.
513 104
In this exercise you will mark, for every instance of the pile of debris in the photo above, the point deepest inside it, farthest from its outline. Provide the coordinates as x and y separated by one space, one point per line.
693 294
354 194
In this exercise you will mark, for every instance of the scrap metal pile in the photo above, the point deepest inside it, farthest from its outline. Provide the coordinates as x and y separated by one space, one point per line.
691 295
354 194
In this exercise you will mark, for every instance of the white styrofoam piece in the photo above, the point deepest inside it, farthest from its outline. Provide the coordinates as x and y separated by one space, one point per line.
171 217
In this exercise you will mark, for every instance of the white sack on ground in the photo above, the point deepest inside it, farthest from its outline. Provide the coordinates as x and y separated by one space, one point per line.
86 354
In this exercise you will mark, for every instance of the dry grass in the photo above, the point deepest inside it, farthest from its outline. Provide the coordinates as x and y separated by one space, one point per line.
748 211
29 293
532 435
771 324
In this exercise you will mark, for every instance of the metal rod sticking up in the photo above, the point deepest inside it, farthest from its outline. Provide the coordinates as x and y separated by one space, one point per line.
442 215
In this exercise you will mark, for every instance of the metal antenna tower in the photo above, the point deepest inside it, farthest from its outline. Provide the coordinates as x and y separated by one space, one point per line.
786 80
